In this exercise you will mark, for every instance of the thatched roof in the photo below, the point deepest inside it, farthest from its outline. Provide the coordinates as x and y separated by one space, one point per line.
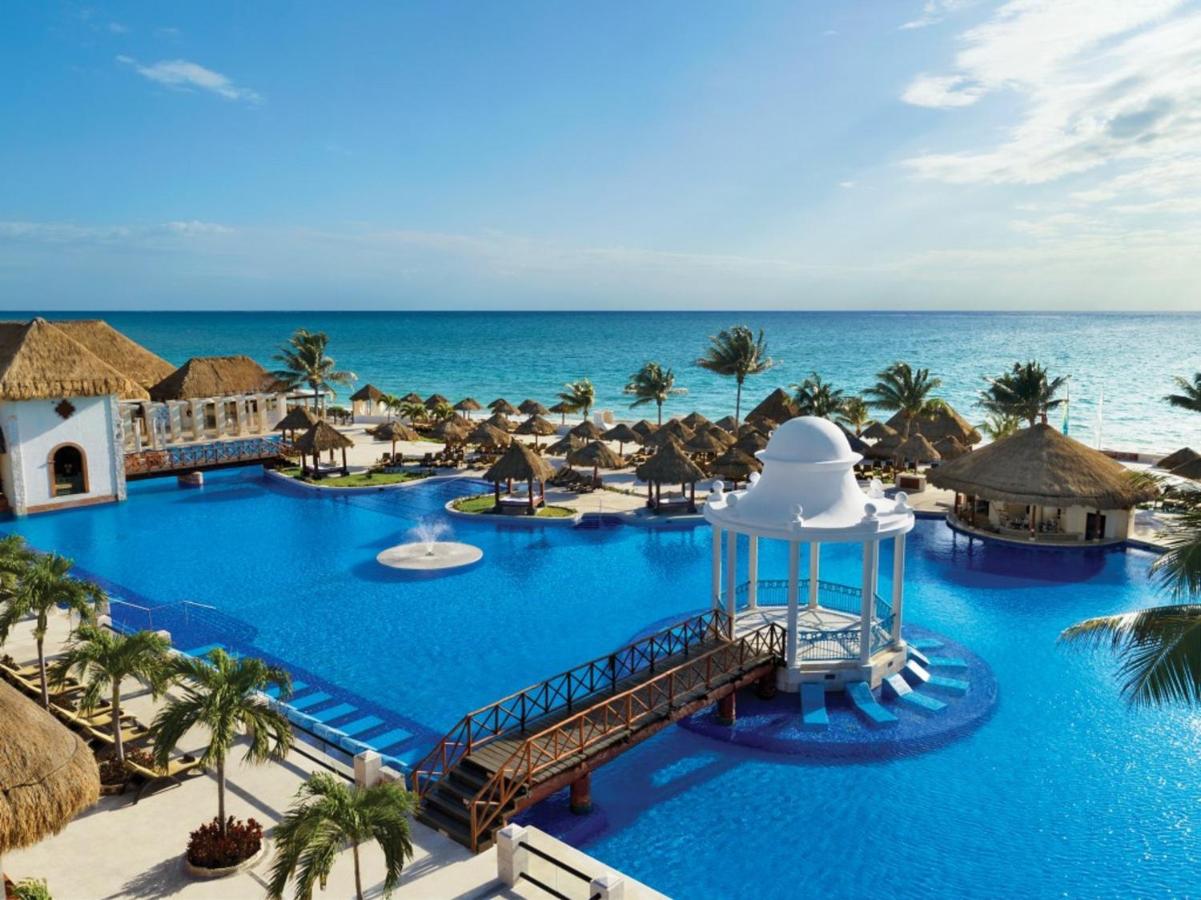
127 356
299 418
501 405
1040 466
673 430
951 448
727 423
587 429
623 434
535 425
412 397
41 362
703 442
47 774
367 392
1190 470
434 400
727 439
321 437
751 442
916 448
595 454
944 421
500 420
879 431
644 428
777 406
1179 458
565 445
394 431
532 408
736 465
214 376
670 465
521 464
468 404
487 435
449 431
693 419
562 407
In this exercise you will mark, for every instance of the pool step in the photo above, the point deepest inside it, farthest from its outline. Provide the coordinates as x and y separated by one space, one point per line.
897 688
335 712
360 725
947 662
926 644
916 655
953 687
868 707
273 691
814 716
388 739
308 700
915 673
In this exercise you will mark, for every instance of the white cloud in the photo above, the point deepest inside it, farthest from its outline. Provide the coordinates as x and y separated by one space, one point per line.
942 91
846 184
181 74
934 11
117 28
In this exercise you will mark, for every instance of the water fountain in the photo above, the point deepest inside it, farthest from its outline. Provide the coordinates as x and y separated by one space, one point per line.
426 551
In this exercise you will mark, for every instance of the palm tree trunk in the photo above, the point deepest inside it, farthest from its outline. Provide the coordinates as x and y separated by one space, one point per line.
221 795
738 403
660 403
42 672
118 744
358 879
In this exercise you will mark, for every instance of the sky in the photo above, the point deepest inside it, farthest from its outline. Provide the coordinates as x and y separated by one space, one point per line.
682 154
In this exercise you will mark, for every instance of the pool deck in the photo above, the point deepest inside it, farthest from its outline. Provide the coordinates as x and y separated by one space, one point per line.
118 849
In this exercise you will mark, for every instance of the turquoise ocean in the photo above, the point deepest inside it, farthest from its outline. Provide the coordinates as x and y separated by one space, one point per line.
1122 363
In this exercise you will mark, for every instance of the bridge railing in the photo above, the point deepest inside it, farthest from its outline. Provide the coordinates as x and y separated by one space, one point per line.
564 692
199 456
627 711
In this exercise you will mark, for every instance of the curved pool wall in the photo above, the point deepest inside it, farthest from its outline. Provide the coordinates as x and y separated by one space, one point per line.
1062 791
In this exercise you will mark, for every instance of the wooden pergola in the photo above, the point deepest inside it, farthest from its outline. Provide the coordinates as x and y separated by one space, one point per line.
669 465
520 463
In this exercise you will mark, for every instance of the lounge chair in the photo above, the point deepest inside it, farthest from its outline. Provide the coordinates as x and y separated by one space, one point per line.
172 775
135 733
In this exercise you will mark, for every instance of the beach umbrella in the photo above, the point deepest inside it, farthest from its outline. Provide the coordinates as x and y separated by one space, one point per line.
950 447
669 465
48 775
321 437
562 409
644 428
917 449
520 463
939 423
460 420
751 442
761 423
503 406
435 400
623 434
395 431
879 431
298 419
450 432
537 426
1190 470
673 430
587 430
728 424
468 405
695 419
565 445
702 442
721 434
533 408
485 435
778 406
501 421
735 465
1179 458
598 456
411 397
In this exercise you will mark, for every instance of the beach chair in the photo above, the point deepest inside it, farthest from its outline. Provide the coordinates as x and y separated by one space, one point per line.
136 733
170 776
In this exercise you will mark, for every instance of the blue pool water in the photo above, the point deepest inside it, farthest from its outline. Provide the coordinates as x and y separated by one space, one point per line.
1063 791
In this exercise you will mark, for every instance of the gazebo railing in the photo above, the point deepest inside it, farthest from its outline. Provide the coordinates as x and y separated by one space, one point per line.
830 595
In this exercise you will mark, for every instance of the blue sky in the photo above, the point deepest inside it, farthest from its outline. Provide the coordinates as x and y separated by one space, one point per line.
902 153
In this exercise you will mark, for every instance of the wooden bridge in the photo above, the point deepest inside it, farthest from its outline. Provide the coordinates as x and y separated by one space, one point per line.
518 750
204 457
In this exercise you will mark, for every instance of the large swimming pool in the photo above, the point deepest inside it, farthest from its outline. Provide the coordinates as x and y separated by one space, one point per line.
1062 792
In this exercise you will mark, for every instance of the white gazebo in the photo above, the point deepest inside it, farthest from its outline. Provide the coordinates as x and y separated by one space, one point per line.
808 495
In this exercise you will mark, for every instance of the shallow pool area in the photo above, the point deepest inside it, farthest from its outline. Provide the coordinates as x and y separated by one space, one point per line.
1061 791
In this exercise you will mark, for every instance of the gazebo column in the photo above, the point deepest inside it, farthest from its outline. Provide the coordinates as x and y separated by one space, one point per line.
752 572
898 587
731 576
794 578
716 570
219 416
198 429
815 564
866 606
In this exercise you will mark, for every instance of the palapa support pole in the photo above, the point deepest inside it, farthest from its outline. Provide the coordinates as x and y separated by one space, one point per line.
496 485
345 468
529 493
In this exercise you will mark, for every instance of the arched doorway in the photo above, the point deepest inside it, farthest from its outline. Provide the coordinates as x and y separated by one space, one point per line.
68 471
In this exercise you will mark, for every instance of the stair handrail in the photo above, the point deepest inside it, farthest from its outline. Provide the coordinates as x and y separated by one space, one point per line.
495 794
531 703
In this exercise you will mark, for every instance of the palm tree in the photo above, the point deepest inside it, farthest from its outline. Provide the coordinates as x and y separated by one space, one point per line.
303 362
998 426
414 410
653 384
578 396
442 411
1158 649
900 388
1190 393
736 352
327 815
815 397
223 696
102 659
34 584
1024 392
391 403
854 415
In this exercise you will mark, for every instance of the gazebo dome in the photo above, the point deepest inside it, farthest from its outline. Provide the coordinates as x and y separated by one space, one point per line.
808 491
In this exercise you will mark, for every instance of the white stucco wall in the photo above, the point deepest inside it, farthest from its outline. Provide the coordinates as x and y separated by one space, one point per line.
33 429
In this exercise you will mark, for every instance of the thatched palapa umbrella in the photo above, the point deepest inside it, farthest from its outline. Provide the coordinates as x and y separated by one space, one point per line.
468 405
533 408
395 431
917 449
565 445
728 424
485 435
562 409
520 463
694 419
434 400
644 428
597 455
1179 458
623 434
500 420
537 426
778 406
450 432
1190 470
703 443
412 397
720 434
669 465
950 448
298 419
735 465
939 424
323 436
880 431
503 406
751 442
48 775
675 430
588 430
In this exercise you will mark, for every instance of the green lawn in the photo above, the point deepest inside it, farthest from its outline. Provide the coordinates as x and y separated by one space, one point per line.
482 504
357 479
